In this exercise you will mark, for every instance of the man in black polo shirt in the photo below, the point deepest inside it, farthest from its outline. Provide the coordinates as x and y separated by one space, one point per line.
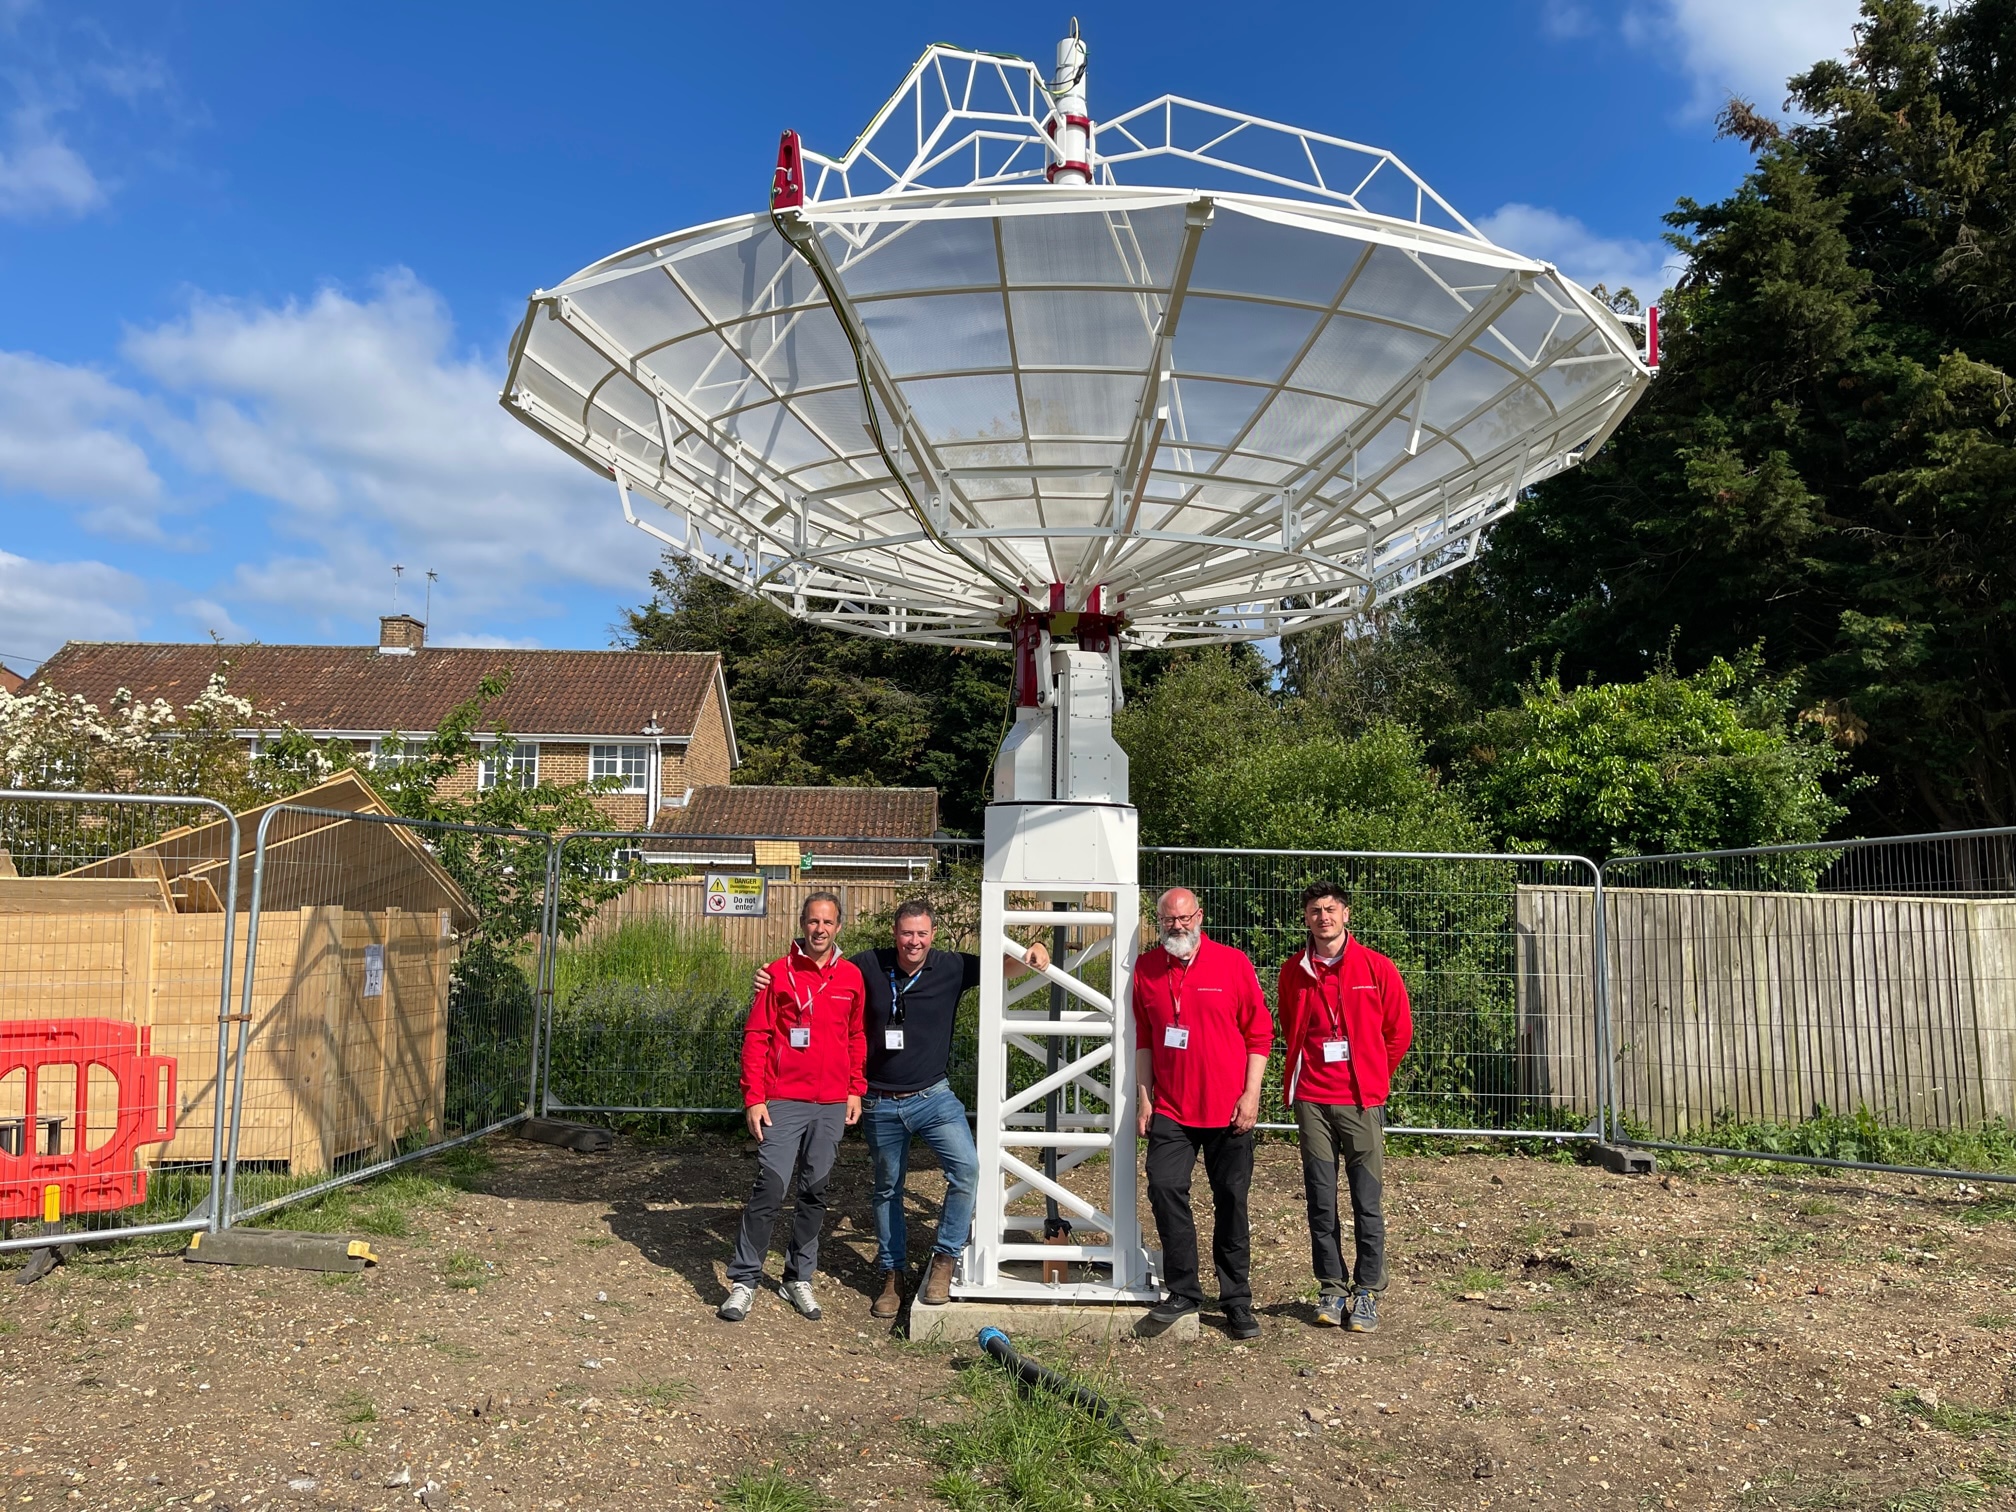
913 1001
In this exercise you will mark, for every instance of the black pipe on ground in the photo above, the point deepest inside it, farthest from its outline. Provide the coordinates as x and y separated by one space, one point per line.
1031 1373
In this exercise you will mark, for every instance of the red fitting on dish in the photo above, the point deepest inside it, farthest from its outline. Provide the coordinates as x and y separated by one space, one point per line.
1050 173
1652 336
787 186
1027 627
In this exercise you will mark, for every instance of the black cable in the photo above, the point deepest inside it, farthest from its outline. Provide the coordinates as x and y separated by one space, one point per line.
1030 1373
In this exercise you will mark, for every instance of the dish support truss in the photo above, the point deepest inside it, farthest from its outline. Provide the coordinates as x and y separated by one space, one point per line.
1222 457
1057 866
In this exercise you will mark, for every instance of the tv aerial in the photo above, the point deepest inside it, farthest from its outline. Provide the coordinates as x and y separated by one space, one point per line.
982 380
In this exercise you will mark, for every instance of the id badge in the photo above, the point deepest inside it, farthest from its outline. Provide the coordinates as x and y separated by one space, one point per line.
801 1038
1336 1050
1176 1038
892 1039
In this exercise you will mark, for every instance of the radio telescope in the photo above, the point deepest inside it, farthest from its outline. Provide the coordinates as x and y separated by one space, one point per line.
1000 373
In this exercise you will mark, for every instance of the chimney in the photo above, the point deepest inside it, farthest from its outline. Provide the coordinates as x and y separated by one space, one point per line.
400 635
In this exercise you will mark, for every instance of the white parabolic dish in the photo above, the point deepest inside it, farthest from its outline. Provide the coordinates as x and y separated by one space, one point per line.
1232 411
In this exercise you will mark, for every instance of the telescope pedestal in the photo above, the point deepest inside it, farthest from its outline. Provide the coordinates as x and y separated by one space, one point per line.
1072 864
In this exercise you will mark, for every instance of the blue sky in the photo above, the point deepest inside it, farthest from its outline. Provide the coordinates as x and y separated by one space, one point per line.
263 260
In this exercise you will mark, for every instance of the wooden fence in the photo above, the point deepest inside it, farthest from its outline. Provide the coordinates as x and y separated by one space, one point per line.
1767 1006
684 901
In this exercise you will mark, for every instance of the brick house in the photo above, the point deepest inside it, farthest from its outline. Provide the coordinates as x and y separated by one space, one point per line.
656 720
773 830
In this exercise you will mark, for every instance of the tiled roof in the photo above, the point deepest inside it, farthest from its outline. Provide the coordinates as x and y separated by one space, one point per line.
11 681
358 688
881 818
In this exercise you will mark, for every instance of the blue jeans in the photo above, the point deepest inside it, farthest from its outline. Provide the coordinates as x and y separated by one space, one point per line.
937 1117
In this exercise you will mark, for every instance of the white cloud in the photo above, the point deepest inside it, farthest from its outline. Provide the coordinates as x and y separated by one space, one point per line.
1589 259
68 433
40 173
1740 47
43 604
211 618
379 440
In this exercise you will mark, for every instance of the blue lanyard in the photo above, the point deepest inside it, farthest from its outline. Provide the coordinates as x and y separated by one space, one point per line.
896 993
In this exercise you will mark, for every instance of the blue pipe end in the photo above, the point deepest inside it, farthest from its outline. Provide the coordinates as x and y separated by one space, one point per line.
989 1334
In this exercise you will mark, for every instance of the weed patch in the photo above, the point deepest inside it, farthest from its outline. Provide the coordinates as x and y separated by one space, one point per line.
769 1491
1031 1452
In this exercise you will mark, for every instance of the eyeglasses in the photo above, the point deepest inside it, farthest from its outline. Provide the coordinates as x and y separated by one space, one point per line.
1181 921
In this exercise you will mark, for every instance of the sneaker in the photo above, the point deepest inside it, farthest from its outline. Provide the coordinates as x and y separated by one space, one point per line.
1240 1322
1330 1311
799 1295
1364 1312
736 1308
889 1301
1171 1309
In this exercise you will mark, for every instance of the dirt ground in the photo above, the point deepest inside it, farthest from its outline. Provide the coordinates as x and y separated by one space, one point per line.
543 1337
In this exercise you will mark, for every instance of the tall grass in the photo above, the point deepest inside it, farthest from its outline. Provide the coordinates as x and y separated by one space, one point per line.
648 1016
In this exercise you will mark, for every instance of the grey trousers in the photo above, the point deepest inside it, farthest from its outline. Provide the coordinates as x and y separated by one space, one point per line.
801 1141
1335 1134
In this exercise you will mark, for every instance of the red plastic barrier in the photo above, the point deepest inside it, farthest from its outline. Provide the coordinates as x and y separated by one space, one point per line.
36 1182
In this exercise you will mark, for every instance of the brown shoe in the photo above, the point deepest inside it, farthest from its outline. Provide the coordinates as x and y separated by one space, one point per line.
890 1301
937 1290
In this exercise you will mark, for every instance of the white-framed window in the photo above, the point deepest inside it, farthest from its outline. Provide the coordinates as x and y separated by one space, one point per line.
630 763
391 753
521 766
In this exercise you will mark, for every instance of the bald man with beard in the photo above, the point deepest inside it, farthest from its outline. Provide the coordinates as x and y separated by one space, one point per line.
1202 1034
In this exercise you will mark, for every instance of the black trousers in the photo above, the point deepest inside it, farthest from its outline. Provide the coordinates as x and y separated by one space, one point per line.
1228 1166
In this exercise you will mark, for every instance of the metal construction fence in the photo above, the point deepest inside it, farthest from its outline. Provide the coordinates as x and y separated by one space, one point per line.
205 1018
119 942
1850 1003
646 1017
389 1007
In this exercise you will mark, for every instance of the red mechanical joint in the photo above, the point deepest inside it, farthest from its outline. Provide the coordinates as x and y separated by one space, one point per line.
787 186
1050 173
1652 336
1028 628
1083 123
61 1054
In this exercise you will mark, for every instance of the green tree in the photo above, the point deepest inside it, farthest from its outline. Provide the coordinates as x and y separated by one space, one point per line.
1826 460
1710 762
818 706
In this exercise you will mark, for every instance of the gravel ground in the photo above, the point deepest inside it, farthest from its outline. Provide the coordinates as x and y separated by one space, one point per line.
542 1336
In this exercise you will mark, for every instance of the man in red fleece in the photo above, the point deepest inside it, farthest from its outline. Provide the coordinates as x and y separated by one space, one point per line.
1345 1023
803 1059
1202 1033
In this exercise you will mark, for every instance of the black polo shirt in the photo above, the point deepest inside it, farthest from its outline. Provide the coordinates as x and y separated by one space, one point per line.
930 1006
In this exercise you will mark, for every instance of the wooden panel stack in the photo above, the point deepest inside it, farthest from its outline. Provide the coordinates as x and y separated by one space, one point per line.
1764 1007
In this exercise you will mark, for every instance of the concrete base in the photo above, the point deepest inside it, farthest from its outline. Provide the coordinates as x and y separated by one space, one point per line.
280 1247
1624 1161
960 1321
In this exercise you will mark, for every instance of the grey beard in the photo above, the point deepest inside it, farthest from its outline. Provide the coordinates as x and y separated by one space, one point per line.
1180 943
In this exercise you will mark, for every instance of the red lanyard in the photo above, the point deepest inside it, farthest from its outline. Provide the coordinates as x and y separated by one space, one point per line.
1325 975
823 979
1178 982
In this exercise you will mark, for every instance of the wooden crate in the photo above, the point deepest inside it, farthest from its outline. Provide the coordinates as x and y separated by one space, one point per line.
332 1070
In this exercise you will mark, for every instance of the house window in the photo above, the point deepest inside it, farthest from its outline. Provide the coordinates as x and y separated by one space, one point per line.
521 766
386 754
630 763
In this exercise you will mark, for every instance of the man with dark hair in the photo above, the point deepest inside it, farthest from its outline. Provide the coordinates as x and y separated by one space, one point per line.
1202 1035
913 1004
802 1056
1346 1026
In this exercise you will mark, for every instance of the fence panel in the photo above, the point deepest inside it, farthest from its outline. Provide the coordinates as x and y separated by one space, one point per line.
389 1005
1847 1003
1508 1032
119 937
647 999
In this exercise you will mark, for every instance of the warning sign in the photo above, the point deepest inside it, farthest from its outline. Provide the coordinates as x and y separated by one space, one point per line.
745 897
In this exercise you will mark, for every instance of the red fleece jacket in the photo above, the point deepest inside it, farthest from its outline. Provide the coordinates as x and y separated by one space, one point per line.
1361 1000
802 995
